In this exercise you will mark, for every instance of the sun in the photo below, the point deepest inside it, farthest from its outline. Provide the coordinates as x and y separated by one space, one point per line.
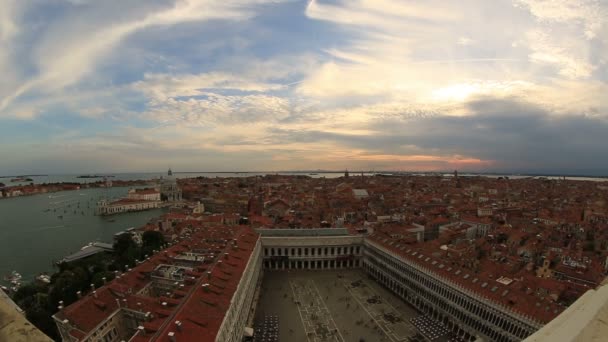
456 92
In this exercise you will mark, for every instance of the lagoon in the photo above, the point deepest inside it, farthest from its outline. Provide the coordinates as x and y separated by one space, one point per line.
35 231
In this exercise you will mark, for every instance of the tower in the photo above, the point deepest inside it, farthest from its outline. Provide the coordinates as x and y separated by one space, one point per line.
346 173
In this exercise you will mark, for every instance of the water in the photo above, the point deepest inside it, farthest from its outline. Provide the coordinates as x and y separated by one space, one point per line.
156 175
32 236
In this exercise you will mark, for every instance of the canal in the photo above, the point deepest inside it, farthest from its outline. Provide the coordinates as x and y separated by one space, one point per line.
37 230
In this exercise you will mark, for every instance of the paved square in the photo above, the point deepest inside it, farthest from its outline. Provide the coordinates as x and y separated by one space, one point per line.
334 306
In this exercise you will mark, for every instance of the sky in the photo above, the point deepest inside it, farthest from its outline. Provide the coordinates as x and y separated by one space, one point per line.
246 85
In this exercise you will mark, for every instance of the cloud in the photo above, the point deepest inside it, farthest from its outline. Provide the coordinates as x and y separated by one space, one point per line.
477 85
590 14
161 87
71 50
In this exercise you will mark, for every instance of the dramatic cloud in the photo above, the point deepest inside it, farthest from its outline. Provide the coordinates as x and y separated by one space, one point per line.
476 85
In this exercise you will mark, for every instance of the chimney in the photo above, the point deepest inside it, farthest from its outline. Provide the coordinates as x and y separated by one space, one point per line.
94 293
226 255
79 294
93 287
208 274
219 263
172 336
164 304
105 281
178 325
60 305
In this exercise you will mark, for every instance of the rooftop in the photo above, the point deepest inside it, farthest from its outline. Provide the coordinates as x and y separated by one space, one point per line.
201 309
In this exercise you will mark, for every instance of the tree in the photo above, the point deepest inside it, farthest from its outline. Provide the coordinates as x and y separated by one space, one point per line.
125 250
66 285
151 240
35 302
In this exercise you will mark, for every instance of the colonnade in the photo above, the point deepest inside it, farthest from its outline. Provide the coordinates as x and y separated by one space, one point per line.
312 257
468 317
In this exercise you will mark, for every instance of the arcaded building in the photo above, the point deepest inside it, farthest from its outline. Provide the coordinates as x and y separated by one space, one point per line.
203 288
200 289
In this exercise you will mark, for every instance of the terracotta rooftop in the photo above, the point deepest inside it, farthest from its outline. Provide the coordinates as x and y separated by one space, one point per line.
201 311
519 295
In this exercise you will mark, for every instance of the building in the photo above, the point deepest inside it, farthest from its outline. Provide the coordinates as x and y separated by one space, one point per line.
147 194
360 193
200 289
169 190
105 207
311 249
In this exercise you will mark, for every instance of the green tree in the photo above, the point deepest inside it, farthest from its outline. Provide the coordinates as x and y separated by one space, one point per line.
153 239
125 251
66 285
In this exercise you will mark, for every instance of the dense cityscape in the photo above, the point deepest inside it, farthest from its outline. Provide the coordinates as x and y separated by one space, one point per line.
470 258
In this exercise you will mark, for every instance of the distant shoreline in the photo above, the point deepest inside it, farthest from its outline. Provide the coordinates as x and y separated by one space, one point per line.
352 172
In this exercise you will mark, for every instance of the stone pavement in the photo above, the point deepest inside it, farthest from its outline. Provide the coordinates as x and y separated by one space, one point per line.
334 306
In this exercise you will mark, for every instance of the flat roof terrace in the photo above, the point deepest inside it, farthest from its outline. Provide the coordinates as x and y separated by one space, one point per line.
333 306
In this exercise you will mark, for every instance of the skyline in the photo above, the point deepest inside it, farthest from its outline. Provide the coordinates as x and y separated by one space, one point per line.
501 86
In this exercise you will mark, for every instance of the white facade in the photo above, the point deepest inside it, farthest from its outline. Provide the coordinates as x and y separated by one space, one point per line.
169 189
241 305
109 208
144 195
311 253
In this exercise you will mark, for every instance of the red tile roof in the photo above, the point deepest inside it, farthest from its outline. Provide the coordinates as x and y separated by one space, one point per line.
200 311
516 298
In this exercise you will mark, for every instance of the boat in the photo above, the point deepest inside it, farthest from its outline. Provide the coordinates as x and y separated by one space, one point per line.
44 278
87 246
14 278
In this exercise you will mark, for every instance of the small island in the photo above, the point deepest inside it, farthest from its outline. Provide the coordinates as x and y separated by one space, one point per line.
21 179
